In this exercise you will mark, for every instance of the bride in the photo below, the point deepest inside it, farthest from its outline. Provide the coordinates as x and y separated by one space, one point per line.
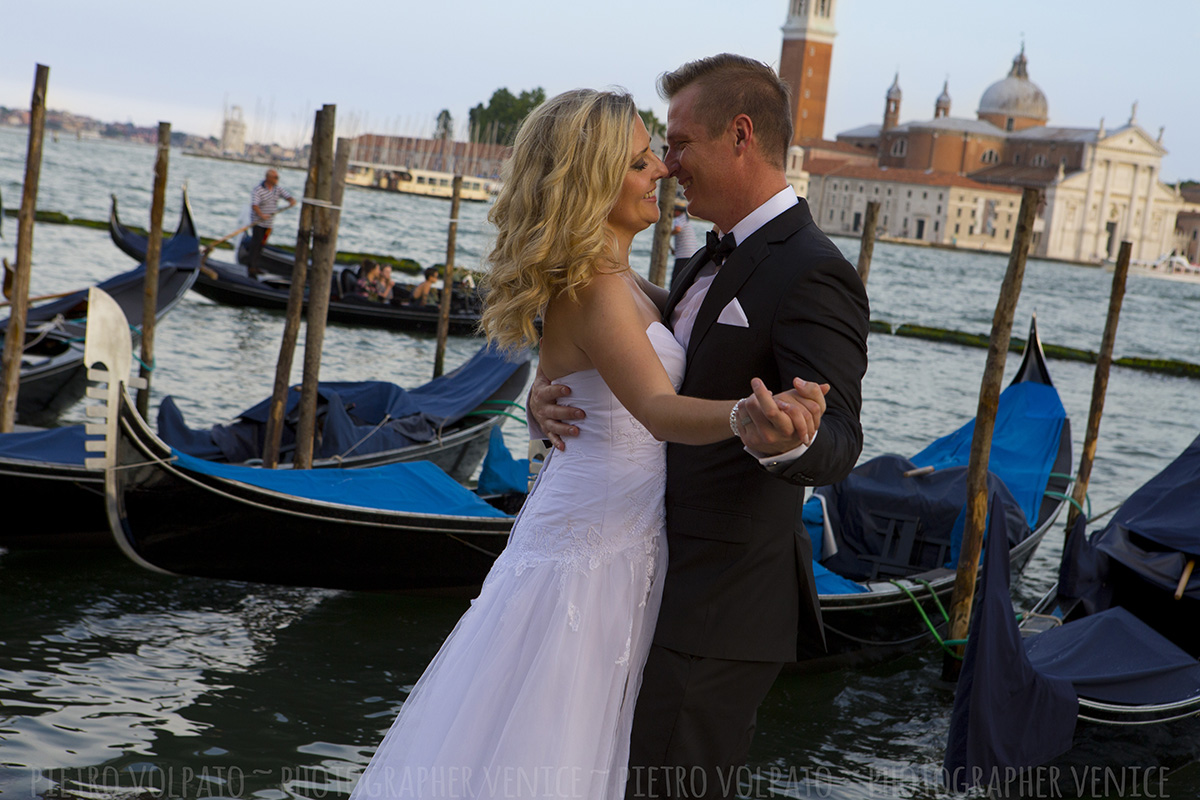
532 694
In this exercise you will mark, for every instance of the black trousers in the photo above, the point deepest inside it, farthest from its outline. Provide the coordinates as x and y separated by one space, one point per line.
693 724
257 239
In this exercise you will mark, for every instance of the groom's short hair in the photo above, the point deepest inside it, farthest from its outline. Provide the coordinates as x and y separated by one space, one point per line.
731 85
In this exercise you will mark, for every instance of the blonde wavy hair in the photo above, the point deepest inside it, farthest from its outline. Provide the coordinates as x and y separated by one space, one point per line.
569 160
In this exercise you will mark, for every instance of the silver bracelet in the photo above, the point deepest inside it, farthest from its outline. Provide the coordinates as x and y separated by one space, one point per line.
733 418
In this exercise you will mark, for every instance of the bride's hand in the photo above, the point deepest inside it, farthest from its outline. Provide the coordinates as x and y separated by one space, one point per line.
782 422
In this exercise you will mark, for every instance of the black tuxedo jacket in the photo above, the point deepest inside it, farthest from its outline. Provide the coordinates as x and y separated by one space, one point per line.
739 581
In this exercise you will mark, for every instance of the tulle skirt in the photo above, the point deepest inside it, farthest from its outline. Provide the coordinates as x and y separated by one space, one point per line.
532 694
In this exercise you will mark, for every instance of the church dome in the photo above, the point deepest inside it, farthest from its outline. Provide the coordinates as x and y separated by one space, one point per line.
1016 95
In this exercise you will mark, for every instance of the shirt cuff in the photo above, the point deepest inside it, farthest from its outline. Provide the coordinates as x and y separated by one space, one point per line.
780 462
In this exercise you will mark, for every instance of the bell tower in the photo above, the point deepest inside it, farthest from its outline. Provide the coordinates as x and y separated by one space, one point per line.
804 62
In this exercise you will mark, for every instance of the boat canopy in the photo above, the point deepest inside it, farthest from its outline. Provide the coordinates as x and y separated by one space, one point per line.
1155 531
414 487
54 445
876 502
359 418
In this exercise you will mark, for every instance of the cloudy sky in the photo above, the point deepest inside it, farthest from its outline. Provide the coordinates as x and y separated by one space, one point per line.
391 65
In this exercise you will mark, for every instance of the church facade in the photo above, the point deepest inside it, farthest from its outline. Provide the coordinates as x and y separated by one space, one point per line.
952 180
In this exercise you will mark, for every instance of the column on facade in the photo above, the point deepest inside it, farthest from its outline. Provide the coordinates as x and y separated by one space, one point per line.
1102 214
1150 179
1087 206
1127 223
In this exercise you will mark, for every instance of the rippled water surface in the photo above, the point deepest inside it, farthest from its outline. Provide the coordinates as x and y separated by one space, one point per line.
115 677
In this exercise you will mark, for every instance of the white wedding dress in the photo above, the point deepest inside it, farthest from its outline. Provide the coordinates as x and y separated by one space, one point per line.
532 694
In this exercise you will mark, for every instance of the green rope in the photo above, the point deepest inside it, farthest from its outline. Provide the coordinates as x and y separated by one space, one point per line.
1071 500
936 636
495 414
936 599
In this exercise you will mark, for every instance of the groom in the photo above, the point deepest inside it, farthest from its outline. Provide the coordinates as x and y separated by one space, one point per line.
739 599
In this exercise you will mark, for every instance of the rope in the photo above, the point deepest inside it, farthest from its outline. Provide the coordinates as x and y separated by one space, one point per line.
315 201
1069 499
502 403
920 610
496 414
386 419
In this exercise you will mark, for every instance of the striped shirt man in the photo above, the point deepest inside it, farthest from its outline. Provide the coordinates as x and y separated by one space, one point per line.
264 200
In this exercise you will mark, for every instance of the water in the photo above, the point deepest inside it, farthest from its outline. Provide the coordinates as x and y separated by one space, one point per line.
111 676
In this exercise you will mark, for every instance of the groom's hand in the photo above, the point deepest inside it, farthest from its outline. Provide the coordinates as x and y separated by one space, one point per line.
780 423
552 418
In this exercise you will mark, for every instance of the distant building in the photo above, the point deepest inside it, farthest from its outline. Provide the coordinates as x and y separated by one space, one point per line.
952 180
808 35
233 133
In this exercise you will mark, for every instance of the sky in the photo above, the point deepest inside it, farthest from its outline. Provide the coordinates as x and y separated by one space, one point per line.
391 65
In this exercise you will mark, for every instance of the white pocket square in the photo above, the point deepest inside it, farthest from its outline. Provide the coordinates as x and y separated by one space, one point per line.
732 314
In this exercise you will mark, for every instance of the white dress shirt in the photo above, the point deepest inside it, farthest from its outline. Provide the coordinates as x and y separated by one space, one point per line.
683 316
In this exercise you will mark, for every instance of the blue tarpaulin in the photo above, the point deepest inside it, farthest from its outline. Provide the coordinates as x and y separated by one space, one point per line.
54 445
501 473
876 497
416 487
357 418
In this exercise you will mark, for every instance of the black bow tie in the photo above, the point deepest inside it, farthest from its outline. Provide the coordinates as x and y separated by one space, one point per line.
719 247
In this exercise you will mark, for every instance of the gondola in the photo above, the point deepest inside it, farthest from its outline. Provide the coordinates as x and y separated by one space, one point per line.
52 367
1120 622
232 284
403 526
446 421
885 539
1104 667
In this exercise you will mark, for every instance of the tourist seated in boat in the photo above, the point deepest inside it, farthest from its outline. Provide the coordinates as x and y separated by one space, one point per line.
368 280
425 294
385 284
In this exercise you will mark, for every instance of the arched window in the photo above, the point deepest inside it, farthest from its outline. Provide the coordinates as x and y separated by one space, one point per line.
989 157
1039 160
900 147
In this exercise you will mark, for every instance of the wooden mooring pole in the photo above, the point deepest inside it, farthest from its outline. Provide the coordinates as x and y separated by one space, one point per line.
660 252
291 325
981 443
14 338
324 252
1100 384
443 327
153 254
867 248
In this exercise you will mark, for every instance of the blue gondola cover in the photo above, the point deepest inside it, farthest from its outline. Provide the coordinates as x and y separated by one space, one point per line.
1006 714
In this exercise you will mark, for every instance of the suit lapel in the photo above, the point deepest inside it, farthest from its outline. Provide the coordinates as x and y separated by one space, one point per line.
738 268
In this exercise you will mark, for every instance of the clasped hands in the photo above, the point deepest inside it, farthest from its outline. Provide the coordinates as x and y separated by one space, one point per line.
767 424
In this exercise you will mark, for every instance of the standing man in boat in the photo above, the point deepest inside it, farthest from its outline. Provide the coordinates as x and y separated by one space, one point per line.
264 200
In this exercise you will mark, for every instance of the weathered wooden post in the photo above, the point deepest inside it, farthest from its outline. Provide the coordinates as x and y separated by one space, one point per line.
1100 383
330 190
660 253
291 325
14 339
867 248
153 253
981 443
443 328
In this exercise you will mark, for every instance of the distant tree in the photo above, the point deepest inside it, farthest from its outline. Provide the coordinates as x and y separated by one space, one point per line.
653 124
499 119
444 127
